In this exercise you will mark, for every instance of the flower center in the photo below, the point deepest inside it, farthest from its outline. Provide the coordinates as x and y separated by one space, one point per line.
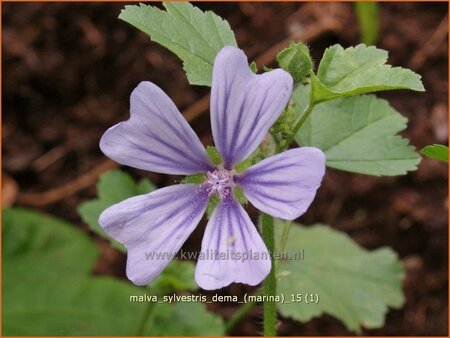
220 182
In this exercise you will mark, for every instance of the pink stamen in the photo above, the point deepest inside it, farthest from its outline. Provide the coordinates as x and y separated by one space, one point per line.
220 182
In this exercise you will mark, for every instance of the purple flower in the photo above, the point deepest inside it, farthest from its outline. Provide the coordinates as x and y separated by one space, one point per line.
157 138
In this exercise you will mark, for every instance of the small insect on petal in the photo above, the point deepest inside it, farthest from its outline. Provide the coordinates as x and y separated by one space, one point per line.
230 240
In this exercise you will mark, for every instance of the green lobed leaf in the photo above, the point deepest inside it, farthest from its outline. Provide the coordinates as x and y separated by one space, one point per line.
186 319
358 134
194 36
47 289
59 249
359 70
98 306
354 285
113 187
436 152
79 306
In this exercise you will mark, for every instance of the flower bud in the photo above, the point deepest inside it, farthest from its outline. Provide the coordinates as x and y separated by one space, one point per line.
296 61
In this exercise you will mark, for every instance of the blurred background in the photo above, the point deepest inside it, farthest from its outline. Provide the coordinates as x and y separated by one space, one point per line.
68 71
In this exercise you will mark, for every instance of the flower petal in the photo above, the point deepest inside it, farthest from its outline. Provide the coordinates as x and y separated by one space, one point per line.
153 227
156 137
232 249
284 185
244 105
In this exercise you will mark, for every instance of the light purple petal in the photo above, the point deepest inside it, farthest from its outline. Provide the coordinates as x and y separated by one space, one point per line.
154 224
244 105
156 137
284 185
231 234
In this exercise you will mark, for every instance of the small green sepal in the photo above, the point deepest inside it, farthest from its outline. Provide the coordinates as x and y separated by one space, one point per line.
214 155
194 179
212 203
239 196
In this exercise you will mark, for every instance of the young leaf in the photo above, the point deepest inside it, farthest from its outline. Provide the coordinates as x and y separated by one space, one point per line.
114 187
194 36
358 134
359 70
436 152
354 285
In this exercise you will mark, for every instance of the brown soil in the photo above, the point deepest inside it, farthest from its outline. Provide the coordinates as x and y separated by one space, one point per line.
68 70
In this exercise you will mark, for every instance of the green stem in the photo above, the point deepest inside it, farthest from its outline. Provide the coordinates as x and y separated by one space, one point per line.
240 313
147 313
300 122
270 283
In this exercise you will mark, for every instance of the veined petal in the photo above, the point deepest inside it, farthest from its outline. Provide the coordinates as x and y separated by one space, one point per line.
156 137
284 185
232 249
153 227
244 105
